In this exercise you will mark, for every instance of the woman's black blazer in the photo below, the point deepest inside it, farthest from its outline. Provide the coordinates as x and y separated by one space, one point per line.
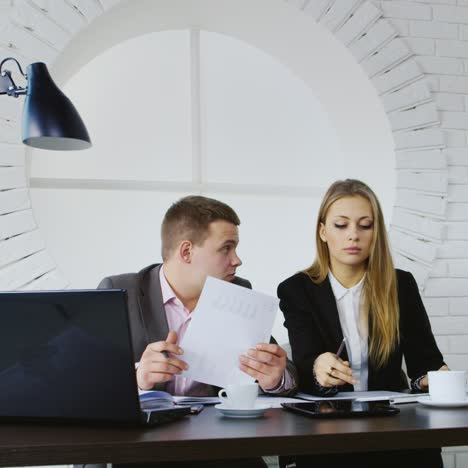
311 317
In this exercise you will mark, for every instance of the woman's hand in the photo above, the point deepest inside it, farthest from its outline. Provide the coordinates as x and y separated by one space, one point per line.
424 382
331 371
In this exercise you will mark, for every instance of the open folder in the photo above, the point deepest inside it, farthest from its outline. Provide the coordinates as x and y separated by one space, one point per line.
155 399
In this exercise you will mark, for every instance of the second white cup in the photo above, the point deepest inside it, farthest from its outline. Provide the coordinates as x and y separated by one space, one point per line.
447 386
239 396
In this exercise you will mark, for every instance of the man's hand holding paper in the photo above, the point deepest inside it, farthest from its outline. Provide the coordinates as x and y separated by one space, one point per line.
266 364
227 341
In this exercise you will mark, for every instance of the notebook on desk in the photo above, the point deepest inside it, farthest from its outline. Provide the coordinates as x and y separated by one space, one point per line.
67 356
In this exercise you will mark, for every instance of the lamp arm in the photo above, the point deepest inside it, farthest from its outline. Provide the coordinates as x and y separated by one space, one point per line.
7 84
14 60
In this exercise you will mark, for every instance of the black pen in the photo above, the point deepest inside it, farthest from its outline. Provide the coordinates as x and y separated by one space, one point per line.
165 354
196 409
340 349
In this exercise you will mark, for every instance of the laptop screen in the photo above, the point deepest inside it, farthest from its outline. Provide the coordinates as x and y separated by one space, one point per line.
67 355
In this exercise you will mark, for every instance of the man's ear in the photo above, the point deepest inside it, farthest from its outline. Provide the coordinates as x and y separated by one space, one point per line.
322 232
185 251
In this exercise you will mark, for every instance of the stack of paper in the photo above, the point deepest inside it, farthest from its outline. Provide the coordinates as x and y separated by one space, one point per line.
154 399
394 397
192 400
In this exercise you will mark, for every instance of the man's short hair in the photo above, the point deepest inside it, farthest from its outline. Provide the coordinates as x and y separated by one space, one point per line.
189 219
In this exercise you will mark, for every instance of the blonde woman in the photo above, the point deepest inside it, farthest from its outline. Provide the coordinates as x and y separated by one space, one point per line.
352 291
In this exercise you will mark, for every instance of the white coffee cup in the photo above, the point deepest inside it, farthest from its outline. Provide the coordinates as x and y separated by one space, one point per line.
239 396
447 386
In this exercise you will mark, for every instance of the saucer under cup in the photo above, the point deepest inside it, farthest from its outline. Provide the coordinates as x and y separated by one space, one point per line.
243 413
426 401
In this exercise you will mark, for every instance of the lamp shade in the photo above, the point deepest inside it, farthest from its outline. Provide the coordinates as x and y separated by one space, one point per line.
50 120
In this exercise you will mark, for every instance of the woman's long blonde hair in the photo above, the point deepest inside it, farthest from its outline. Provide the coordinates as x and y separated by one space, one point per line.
380 286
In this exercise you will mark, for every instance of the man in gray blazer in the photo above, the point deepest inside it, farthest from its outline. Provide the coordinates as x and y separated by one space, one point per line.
199 239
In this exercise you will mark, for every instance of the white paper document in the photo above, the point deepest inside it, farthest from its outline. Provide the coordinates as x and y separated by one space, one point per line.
358 396
275 402
194 400
227 321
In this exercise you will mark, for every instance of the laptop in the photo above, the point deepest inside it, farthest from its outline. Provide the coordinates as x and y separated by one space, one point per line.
67 356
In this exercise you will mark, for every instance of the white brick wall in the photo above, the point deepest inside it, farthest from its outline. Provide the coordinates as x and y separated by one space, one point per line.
441 65
436 31
449 48
436 306
450 14
450 102
433 30
415 52
454 84
458 306
406 10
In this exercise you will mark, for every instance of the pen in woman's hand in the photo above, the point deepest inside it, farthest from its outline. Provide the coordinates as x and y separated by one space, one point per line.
340 349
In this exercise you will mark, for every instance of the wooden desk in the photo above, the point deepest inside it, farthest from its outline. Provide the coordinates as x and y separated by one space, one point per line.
209 435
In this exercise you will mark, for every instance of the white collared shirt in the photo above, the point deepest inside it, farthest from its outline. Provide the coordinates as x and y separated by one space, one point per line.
349 303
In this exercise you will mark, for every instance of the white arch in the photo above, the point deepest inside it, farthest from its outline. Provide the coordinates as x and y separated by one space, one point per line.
35 33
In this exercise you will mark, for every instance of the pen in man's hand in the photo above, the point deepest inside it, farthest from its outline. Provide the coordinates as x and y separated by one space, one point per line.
340 349
165 354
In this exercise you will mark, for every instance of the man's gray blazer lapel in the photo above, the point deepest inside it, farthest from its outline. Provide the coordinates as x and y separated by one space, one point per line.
152 306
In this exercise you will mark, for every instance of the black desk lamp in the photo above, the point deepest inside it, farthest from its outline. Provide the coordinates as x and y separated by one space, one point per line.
50 120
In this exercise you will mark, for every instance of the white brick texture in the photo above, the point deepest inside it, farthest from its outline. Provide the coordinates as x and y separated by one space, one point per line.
401 26
441 65
415 52
457 344
457 156
454 138
429 159
406 10
454 84
378 35
421 45
360 22
317 8
458 306
458 362
398 77
450 14
456 120
409 96
392 54
449 48
433 30
428 231
436 306
458 175
450 325
450 102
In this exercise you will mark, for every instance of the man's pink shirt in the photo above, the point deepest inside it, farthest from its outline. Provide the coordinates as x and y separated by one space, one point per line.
178 319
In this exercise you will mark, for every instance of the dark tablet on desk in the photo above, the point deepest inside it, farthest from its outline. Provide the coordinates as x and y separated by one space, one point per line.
341 408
